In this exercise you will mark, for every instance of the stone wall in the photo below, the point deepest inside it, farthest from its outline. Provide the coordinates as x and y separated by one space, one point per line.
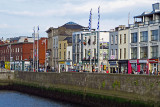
141 85
6 75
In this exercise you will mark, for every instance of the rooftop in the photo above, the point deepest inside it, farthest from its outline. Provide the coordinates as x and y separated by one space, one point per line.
69 39
72 25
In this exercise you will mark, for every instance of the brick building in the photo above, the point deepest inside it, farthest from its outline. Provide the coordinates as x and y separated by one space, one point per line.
19 55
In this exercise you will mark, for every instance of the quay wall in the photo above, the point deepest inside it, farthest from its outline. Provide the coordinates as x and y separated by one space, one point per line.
141 86
86 88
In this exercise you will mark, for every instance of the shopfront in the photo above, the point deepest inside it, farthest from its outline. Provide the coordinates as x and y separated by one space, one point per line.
143 66
123 66
153 65
132 66
113 66
68 66
62 66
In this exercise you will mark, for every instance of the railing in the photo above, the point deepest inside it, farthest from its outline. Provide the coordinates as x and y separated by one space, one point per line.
137 24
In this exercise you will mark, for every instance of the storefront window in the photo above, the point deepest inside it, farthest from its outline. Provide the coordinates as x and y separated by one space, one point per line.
134 67
124 68
143 68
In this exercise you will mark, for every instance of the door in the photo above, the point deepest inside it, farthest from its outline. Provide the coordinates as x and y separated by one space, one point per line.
155 68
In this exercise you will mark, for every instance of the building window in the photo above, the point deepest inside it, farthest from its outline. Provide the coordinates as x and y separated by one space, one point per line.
133 37
85 53
21 58
18 49
112 40
64 55
116 52
59 46
154 35
112 52
64 45
116 39
120 39
124 38
124 53
134 53
68 54
95 39
85 39
94 52
144 36
154 51
120 53
144 52
59 55
89 53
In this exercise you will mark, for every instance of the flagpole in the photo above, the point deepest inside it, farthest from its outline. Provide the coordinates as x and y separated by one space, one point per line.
45 55
98 40
37 46
90 39
33 47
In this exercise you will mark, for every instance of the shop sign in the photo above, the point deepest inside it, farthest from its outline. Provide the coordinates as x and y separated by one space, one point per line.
153 60
142 61
123 61
113 62
61 62
113 56
68 63
133 61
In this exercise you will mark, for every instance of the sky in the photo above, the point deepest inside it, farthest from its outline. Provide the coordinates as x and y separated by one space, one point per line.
19 17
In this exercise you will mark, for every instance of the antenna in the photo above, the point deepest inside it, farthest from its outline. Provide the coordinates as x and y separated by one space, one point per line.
128 18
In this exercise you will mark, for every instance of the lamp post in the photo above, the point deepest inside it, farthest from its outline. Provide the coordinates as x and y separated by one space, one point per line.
45 55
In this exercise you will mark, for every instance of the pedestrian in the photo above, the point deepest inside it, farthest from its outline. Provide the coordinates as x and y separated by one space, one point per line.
107 71
152 72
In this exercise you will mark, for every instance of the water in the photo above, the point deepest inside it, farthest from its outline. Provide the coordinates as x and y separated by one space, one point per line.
16 99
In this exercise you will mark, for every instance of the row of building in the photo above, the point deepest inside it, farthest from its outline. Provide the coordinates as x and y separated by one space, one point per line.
123 50
72 47
17 53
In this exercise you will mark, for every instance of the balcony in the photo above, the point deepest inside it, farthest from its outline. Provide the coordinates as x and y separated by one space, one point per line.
140 23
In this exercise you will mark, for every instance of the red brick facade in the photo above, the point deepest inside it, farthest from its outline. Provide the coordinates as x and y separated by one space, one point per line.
23 51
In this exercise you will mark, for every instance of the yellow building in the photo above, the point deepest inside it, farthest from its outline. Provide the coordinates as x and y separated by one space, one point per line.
62 53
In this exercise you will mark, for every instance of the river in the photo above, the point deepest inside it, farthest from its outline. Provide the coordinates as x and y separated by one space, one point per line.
16 99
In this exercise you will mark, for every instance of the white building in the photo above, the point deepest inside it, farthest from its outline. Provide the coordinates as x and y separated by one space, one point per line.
77 48
144 39
93 43
69 59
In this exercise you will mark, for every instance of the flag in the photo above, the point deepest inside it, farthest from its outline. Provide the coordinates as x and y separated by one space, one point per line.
38 27
98 17
35 52
90 20
34 30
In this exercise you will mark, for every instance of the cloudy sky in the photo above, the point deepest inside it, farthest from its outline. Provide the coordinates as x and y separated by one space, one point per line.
18 17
